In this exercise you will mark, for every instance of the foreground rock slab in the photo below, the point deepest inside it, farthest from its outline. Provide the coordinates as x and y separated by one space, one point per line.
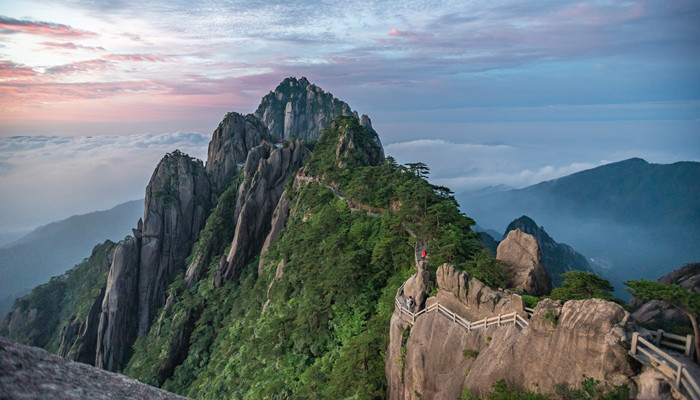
32 373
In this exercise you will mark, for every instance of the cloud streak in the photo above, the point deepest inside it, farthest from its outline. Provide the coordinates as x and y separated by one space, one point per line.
11 25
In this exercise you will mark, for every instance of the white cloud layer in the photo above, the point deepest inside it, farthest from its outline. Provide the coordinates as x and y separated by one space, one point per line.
48 178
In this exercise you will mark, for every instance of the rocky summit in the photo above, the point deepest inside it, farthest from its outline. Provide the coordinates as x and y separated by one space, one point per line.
297 108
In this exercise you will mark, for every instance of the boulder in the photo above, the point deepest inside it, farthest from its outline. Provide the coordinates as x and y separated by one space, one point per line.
660 314
418 286
557 258
651 385
521 256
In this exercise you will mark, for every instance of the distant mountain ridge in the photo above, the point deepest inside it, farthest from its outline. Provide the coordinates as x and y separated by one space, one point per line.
52 249
634 218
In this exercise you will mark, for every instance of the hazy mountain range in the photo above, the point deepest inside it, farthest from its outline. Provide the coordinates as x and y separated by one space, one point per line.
52 249
632 218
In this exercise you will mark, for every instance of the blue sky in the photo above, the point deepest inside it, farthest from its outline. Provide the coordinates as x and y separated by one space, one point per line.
485 92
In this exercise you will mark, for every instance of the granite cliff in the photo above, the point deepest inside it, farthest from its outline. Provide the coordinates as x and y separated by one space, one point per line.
266 171
437 358
177 205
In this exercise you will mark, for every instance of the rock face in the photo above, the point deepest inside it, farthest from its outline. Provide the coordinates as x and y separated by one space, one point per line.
119 319
30 372
298 108
521 255
229 147
585 337
471 298
266 171
279 219
177 204
561 344
79 341
557 258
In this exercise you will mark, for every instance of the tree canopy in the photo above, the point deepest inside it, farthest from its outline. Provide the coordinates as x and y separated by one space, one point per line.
579 285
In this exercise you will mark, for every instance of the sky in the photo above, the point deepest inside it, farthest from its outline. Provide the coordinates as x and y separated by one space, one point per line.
498 92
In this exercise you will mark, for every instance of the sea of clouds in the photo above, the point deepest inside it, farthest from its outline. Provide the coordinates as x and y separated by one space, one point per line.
48 178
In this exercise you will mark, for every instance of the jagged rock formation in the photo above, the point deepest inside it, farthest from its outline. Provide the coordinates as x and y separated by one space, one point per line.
30 372
266 171
521 256
229 147
557 258
279 219
298 108
177 204
658 314
119 319
561 344
471 298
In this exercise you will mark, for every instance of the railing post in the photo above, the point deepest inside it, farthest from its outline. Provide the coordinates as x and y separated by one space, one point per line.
659 334
635 336
454 318
499 320
678 378
689 346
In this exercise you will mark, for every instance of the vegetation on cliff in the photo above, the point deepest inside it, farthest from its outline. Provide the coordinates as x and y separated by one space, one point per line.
51 306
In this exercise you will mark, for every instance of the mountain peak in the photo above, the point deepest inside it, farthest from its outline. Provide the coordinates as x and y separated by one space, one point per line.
300 108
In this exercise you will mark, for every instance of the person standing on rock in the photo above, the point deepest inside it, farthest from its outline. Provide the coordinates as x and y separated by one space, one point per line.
409 303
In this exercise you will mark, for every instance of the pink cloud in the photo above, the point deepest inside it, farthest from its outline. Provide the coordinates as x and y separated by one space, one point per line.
11 25
20 94
397 33
10 70
80 66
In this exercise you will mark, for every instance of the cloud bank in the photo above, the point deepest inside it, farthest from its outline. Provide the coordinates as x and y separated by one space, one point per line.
45 178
